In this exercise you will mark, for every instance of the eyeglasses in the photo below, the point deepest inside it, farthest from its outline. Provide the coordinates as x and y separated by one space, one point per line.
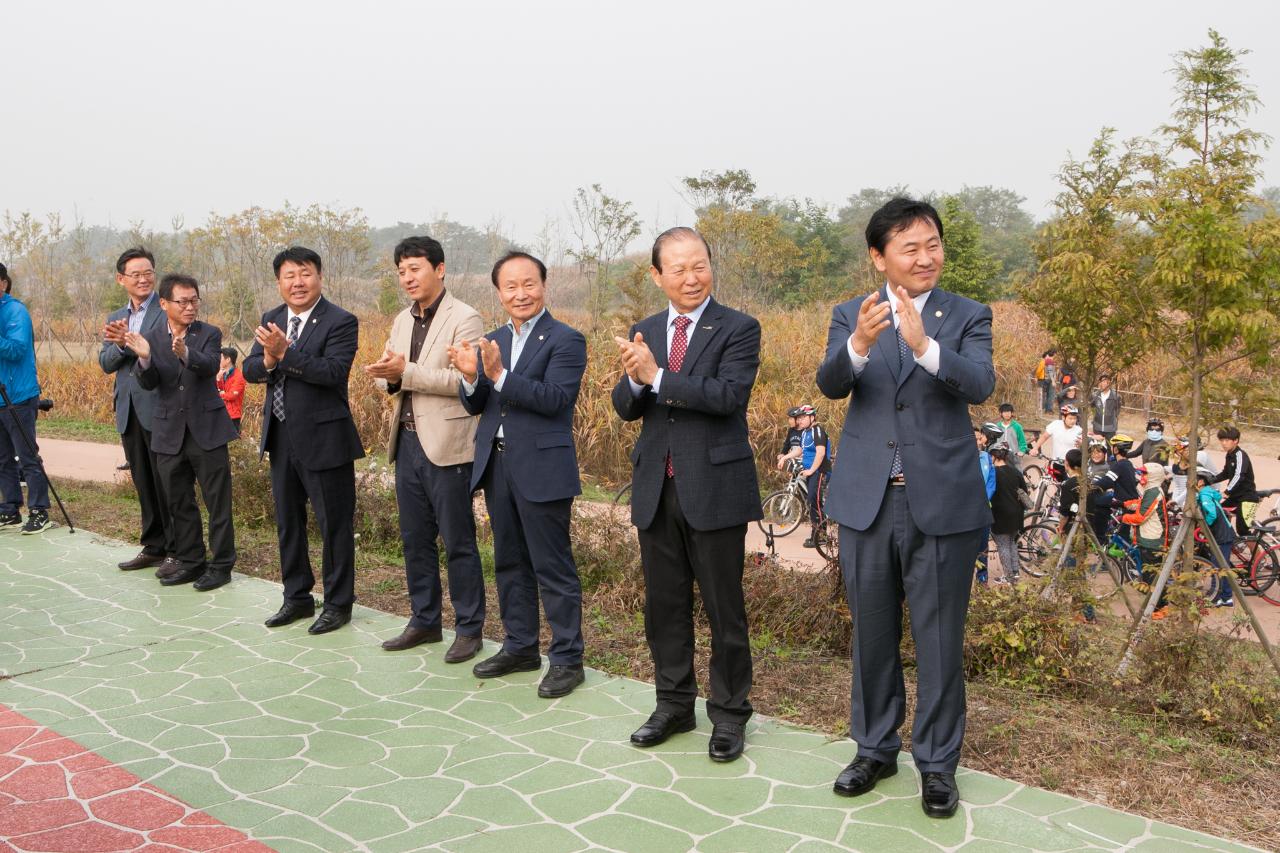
193 302
137 276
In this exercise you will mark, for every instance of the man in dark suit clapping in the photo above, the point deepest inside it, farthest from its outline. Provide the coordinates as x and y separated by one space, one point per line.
908 493
190 430
303 351
689 371
523 379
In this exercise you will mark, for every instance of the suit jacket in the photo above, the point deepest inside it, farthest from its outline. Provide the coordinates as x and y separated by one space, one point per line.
446 430
315 371
700 419
896 406
128 395
186 395
534 409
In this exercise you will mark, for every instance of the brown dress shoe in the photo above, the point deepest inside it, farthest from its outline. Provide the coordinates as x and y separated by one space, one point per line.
463 649
144 560
411 637
168 568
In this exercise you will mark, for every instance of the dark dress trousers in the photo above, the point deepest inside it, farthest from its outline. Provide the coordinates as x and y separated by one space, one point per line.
529 486
190 429
313 450
692 525
917 541
133 405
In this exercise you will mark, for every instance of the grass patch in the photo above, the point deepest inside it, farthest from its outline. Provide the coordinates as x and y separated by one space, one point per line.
76 429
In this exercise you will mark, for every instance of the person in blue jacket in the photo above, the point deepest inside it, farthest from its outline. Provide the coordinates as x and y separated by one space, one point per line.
18 454
984 435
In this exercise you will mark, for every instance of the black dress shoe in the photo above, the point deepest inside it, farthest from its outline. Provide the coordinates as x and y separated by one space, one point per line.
463 649
144 560
211 579
292 611
170 566
184 574
504 664
331 619
662 725
411 637
560 680
938 794
862 774
727 741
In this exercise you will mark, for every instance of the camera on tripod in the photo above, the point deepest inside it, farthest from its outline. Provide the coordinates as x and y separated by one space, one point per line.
44 404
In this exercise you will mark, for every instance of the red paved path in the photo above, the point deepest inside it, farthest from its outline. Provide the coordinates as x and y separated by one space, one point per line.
59 797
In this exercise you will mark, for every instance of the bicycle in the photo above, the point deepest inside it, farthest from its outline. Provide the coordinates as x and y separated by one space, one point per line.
787 507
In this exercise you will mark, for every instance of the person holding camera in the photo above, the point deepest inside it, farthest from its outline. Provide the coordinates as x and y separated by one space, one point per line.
18 448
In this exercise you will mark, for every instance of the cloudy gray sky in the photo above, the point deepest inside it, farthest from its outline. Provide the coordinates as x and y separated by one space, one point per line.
132 111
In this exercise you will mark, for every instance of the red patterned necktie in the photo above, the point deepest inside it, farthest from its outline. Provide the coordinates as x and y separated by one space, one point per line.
679 346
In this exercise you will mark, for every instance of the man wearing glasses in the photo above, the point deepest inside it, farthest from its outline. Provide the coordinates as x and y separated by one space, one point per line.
136 273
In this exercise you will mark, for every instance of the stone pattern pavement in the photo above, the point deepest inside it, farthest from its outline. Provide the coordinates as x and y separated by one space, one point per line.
330 744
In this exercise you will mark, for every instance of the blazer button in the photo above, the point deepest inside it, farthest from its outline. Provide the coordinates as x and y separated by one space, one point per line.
891 444
180 388
901 406
671 420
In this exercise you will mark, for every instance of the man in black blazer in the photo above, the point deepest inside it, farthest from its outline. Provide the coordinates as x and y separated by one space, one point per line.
303 351
908 494
523 379
136 274
190 430
689 371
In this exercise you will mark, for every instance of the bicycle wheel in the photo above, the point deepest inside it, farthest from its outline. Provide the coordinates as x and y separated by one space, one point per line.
1264 573
623 497
826 539
1108 586
784 511
1033 474
1035 544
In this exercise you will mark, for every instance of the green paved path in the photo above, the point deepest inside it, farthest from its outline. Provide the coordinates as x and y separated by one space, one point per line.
328 743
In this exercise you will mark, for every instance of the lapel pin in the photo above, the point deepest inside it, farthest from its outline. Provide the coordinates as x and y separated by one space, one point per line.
708 328
937 313
540 337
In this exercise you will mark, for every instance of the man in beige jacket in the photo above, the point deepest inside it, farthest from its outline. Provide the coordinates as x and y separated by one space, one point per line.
432 446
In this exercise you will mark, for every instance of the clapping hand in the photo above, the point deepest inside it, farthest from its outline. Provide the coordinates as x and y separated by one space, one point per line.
274 344
910 326
115 332
180 347
873 318
637 359
492 357
465 360
389 367
138 344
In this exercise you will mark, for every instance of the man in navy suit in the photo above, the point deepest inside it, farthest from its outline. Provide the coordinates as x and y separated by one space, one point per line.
908 493
523 379
303 352
689 371
190 431
133 404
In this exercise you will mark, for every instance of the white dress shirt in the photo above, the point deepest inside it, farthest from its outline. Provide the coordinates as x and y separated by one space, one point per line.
518 340
932 358
694 316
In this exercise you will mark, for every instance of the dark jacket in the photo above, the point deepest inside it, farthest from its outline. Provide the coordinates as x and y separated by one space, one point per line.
1237 473
129 396
186 395
315 371
1106 416
928 415
1006 509
699 417
534 409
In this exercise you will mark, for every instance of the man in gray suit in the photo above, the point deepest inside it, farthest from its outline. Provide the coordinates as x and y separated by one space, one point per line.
136 273
689 370
908 493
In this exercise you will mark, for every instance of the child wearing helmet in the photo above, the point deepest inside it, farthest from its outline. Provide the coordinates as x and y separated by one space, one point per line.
1153 448
1215 521
1148 518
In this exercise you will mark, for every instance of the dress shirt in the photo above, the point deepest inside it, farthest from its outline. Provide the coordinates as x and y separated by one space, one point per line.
932 358
694 316
422 320
518 339
302 326
136 316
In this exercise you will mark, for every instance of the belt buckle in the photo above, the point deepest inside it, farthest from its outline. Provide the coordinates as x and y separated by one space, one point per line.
408 426
899 480
499 444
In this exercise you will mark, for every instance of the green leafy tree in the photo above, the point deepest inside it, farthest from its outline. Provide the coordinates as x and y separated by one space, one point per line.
604 226
970 269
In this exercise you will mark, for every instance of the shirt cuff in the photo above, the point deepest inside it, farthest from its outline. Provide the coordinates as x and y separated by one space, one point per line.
636 388
859 361
468 388
502 378
932 358
144 363
657 380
